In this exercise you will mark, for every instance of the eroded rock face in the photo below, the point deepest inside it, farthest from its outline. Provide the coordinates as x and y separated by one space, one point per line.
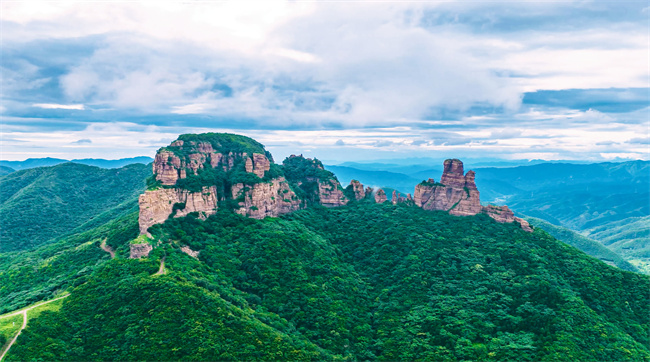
380 196
503 214
157 205
169 167
358 190
457 193
330 193
138 251
265 199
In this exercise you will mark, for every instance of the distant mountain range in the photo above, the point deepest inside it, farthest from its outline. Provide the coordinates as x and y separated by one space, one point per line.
10 166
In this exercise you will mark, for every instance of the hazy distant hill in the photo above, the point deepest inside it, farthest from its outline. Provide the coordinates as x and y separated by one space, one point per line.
41 162
40 204
4 170
393 180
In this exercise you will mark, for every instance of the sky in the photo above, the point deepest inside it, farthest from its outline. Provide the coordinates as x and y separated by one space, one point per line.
341 81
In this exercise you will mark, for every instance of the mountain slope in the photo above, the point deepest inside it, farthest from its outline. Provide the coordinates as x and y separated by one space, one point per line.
590 247
362 281
41 204
4 170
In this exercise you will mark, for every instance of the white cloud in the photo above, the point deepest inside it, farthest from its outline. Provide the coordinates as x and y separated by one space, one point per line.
59 106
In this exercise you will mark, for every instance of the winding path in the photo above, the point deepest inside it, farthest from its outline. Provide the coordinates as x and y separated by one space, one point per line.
107 248
24 313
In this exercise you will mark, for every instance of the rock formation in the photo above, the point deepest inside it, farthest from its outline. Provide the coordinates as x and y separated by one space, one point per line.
331 194
157 205
503 214
138 251
186 249
457 194
358 190
380 196
227 167
265 199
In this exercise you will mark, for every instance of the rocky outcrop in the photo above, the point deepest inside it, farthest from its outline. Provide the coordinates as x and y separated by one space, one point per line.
181 159
265 199
358 190
457 193
380 196
138 251
503 214
394 199
157 205
186 249
331 194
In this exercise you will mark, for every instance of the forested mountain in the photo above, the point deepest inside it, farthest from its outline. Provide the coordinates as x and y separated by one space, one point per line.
589 246
607 202
362 281
42 204
234 257
4 170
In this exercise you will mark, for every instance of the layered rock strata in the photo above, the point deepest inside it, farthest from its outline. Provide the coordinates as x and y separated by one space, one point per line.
265 199
331 194
157 205
169 167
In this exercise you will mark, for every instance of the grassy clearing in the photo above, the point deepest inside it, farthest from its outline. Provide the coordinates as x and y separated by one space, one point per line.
54 307
8 328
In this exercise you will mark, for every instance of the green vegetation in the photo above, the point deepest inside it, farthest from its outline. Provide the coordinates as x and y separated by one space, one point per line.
28 277
299 168
583 243
363 281
303 175
42 205
221 142
9 326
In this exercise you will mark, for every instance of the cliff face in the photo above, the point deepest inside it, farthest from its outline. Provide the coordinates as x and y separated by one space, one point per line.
157 205
357 189
265 199
330 193
457 194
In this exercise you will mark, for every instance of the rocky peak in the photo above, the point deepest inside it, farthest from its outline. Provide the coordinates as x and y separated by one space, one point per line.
380 196
457 194
319 185
357 189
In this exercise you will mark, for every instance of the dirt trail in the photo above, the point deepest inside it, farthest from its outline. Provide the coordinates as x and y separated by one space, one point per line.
107 249
24 313
161 270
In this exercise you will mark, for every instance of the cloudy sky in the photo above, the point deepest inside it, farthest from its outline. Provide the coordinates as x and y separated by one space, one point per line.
339 81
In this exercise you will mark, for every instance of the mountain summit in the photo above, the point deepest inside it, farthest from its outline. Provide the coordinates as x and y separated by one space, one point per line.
200 173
